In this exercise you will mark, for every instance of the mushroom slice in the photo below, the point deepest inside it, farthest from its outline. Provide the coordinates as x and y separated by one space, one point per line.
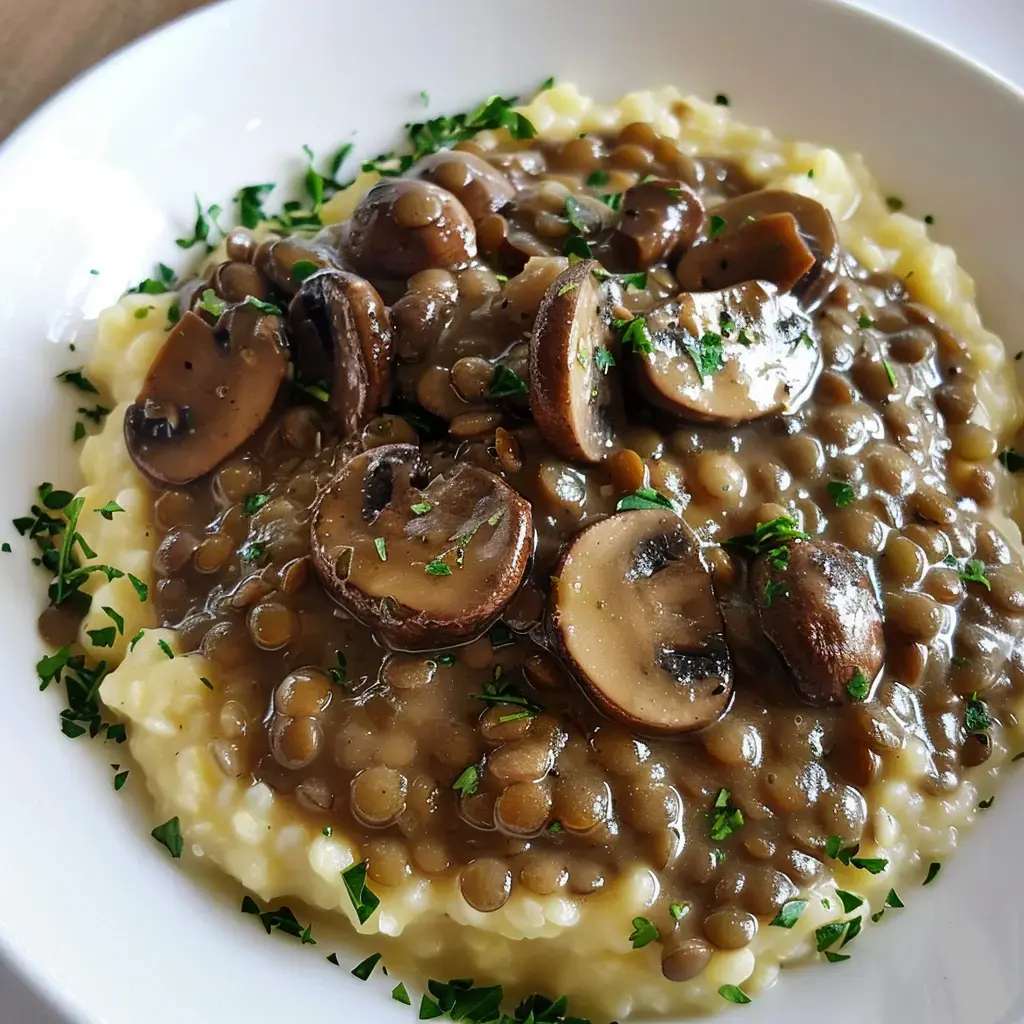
634 614
819 609
478 185
403 226
569 391
426 564
341 333
658 216
277 259
798 231
208 390
730 356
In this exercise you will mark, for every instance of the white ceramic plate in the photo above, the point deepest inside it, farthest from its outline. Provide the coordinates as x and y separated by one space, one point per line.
90 908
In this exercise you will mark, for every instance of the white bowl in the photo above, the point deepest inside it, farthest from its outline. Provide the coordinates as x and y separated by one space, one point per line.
91 909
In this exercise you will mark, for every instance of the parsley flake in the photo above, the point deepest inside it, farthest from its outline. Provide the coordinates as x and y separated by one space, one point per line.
421 508
364 900
858 686
382 548
108 510
976 715
734 994
974 572
789 913
726 817
717 225
506 382
364 969
169 835
603 360
635 335
438 567
933 870
774 589
706 354
468 781
841 493
643 933
400 995
254 502
644 498
78 380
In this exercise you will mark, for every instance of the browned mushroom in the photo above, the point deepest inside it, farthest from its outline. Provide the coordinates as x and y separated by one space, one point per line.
402 226
341 333
570 352
235 281
426 563
798 231
287 262
634 615
208 390
478 185
819 609
658 217
729 356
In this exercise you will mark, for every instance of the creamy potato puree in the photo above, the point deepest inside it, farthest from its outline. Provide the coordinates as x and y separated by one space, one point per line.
179 730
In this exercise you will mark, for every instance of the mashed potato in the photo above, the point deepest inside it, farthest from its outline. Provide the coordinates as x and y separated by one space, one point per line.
580 944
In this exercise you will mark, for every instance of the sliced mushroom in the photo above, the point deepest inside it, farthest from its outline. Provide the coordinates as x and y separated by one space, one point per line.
768 354
403 226
739 250
341 333
658 217
633 613
277 258
425 563
478 185
819 609
569 394
208 390
235 281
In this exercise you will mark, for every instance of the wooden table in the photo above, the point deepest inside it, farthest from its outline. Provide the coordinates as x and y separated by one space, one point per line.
46 43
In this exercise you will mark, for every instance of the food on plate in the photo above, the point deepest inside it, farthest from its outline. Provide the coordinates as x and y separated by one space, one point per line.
578 548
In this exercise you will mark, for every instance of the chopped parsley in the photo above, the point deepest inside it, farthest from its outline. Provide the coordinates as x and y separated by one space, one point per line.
102 637
210 303
301 269
841 493
108 510
734 994
864 322
468 781
421 508
254 502
163 282
717 225
933 870
644 498
722 100
678 911
119 780
974 572
976 715
576 248
263 307
774 589
77 379
929 219
1012 460
250 203
165 647
169 835
283 920
635 334
643 933
706 353
828 935
894 203
597 178
206 682
201 230
603 360
400 995
766 537
726 818
364 969
382 548
789 913
849 900
858 686
836 958
506 382
142 312
438 567
363 898
500 636
889 372
251 551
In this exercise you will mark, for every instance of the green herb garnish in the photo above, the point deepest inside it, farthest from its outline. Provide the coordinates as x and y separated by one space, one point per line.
974 572
726 818
210 303
644 498
468 781
254 502
933 870
364 969
506 382
382 548
644 932
78 380
603 359
399 994
706 353
635 334
841 493
363 898
894 203
169 835
766 537
976 715
438 567
421 508
717 225
858 686
734 994
774 589
789 913
282 920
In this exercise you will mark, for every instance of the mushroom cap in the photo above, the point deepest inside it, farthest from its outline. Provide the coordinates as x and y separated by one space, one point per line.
746 250
369 507
658 216
478 185
569 394
822 615
276 258
633 613
342 333
769 359
208 390
403 226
